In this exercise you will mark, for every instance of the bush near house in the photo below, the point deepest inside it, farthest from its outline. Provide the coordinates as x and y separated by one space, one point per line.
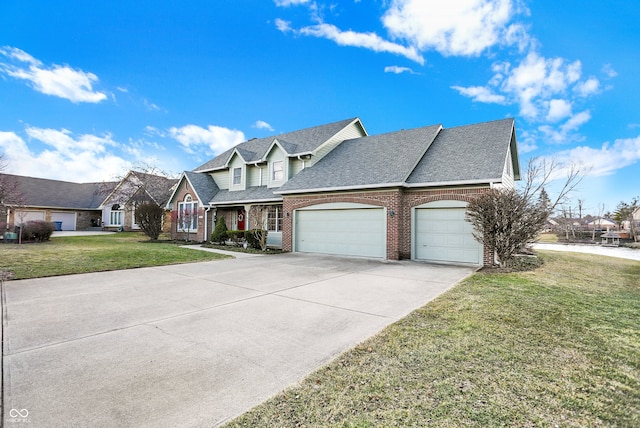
256 238
37 230
235 235
219 234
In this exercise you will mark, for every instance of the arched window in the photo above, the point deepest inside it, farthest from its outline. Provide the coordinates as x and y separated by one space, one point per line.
188 215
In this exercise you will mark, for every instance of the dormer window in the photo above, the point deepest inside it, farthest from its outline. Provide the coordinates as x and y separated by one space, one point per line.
277 171
237 176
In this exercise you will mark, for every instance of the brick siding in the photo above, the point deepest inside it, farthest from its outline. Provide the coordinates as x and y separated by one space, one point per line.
398 201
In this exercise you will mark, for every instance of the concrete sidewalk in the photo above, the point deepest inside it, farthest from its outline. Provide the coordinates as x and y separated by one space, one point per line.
193 345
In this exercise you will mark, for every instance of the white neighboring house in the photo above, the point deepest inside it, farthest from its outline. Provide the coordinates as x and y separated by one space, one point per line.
602 223
118 208
635 229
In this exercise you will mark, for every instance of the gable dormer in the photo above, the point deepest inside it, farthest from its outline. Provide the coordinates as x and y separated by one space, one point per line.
237 173
277 166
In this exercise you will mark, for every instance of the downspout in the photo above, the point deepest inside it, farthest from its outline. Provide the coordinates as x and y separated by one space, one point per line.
206 210
301 160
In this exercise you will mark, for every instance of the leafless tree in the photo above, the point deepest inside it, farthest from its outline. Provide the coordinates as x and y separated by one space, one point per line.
10 194
260 218
505 220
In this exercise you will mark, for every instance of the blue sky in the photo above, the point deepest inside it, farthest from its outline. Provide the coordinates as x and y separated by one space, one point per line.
89 90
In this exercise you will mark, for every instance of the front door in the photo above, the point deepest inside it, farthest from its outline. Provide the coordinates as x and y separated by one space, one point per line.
241 219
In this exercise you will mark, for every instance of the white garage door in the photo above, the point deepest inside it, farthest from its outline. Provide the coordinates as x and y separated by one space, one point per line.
68 219
343 229
441 234
25 216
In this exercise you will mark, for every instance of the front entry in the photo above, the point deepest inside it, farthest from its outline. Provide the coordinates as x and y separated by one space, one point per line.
242 215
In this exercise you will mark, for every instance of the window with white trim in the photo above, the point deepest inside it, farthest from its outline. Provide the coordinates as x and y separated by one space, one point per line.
277 171
274 218
116 217
237 176
188 215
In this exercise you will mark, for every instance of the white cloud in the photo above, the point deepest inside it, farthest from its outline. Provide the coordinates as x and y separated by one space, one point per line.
282 25
565 132
558 110
605 160
216 138
81 159
398 70
588 87
369 41
261 124
537 84
285 3
608 70
481 94
462 27
60 81
152 106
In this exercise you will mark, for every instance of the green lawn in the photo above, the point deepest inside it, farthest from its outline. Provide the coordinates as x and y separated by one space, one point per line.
79 254
559 346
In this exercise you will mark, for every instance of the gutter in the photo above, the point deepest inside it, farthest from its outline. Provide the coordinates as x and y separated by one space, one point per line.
334 189
388 185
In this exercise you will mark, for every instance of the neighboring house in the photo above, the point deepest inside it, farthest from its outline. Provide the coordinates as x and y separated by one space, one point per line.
635 229
74 205
118 207
333 189
602 223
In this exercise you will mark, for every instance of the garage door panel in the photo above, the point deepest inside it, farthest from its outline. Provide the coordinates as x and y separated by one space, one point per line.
68 219
443 235
354 232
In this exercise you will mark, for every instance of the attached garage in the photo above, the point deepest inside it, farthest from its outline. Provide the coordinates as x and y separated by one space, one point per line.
23 216
341 228
68 219
441 234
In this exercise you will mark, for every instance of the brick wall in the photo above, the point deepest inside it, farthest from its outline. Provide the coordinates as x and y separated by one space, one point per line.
398 201
181 193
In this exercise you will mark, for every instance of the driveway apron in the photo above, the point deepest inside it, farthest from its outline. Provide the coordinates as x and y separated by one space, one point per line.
192 345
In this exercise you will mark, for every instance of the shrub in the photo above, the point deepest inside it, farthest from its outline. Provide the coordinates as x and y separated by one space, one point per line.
149 216
235 235
219 234
37 230
256 238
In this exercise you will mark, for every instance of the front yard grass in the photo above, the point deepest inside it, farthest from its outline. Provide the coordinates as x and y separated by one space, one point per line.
555 347
81 254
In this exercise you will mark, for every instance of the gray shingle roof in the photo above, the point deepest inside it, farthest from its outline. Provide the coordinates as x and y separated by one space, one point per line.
296 142
40 192
203 184
417 156
252 194
466 153
367 161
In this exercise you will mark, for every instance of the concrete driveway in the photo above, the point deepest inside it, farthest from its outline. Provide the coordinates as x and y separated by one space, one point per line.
192 345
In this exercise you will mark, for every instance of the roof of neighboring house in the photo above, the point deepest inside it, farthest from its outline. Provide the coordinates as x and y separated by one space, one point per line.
135 183
296 142
420 156
467 153
367 161
45 193
603 221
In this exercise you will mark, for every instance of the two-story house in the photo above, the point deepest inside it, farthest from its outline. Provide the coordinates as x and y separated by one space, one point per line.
333 189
